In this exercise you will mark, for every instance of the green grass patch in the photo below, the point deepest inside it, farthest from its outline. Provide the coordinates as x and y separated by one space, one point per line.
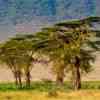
48 86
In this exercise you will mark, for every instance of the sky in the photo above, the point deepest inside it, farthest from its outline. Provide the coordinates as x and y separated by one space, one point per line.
18 16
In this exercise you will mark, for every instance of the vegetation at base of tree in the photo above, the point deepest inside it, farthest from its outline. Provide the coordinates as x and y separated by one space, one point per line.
47 86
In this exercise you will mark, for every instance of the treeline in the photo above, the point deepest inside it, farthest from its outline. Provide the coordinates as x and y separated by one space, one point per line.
64 44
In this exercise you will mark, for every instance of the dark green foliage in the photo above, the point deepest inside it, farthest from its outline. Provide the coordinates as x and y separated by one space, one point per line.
78 23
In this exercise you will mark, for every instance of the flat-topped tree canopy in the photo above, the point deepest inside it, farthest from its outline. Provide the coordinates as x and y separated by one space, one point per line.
51 29
78 22
92 19
23 36
70 24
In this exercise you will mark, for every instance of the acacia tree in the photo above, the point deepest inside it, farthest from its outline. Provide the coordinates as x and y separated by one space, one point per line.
26 52
65 40
49 44
79 36
17 54
82 34
9 57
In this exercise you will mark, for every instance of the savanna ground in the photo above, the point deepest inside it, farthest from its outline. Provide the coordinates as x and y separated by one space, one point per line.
39 91
33 95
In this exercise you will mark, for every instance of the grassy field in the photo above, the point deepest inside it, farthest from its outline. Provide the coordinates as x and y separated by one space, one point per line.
39 91
46 86
34 95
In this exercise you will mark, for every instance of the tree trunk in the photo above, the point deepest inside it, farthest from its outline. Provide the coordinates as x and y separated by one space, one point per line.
19 79
16 78
59 80
60 77
73 77
77 81
28 76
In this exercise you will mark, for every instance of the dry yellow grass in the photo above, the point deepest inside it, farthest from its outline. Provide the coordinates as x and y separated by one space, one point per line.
32 95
